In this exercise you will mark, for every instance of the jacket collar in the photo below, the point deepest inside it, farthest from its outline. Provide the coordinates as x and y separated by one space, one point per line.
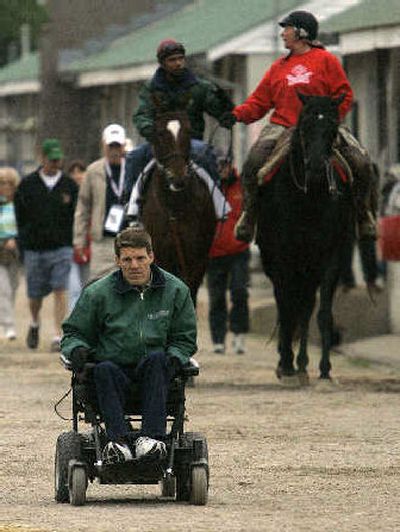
159 81
121 286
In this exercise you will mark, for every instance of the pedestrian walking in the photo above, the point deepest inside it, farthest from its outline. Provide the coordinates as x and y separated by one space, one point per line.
45 202
228 270
79 273
9 179
100 209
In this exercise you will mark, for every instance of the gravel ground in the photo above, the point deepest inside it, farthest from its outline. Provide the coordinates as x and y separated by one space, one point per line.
319 458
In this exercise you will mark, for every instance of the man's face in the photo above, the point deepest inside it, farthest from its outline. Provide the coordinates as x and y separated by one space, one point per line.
114 152
135 265
51 167
174 64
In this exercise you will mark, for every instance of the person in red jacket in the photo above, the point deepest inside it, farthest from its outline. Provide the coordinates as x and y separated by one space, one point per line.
311 70
228 268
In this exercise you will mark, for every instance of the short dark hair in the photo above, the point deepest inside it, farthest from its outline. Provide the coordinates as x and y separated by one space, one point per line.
133 237
80 165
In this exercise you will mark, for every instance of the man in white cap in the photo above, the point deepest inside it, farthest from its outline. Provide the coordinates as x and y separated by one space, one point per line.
99 212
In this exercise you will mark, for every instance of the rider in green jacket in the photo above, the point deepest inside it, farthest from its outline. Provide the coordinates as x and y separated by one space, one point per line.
175 87
136 324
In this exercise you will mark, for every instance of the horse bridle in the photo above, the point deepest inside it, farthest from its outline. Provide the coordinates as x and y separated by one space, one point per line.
329 171
168 174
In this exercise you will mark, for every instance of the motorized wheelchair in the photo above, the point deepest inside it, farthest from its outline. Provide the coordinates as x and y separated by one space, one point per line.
183 473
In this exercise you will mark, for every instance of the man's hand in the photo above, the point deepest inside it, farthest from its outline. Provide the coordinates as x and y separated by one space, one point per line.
228 120
79 357
148 133
175 366
81 253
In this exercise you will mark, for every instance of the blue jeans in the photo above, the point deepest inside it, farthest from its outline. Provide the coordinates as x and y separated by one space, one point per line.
136 160
113 385
223 273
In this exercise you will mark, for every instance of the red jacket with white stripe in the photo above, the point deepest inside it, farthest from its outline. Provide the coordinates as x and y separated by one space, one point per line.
316 72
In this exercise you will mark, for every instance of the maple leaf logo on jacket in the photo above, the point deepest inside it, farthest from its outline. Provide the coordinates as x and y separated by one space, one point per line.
299 74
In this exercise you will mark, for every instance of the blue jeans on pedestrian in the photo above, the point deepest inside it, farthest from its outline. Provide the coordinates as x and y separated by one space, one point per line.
113 385
229 272
203 154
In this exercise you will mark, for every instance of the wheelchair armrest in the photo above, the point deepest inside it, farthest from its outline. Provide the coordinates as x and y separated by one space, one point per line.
191 368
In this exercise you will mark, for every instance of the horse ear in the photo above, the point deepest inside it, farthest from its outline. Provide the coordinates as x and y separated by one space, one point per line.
339 99
303 97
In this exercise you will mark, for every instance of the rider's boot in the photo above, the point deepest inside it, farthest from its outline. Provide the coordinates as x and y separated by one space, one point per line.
246 225
365 181
365 194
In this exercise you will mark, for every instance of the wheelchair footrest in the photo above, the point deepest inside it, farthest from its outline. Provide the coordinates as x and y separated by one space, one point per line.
143 471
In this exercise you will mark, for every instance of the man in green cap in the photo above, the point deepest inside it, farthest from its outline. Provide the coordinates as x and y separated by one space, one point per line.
44 206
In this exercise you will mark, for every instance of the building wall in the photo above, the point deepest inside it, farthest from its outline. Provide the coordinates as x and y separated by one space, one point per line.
18 129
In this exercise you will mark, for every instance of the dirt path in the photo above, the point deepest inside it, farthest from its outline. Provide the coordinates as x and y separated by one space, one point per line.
281 460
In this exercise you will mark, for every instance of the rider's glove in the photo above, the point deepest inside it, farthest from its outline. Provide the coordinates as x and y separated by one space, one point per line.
79 357
228 120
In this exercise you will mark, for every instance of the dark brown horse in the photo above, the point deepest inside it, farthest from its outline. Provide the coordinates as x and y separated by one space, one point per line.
178 210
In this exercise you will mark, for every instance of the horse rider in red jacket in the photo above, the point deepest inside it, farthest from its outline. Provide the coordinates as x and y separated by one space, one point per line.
312 70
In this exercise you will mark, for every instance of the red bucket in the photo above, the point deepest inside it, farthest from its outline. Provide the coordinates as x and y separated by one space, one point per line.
389 237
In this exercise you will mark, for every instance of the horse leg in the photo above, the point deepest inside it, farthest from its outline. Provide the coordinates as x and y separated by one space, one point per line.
286 355
302 356
325 319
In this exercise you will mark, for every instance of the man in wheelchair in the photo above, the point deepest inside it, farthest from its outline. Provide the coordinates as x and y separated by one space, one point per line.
135 325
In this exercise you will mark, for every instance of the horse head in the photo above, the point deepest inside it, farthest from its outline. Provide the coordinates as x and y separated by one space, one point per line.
171 146
316 132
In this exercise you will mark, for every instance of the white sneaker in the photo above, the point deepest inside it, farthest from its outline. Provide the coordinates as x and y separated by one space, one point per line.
146 446
219 349
10 333
116 453
238 344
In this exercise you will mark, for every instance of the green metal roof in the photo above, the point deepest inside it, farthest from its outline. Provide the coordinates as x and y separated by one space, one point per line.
200 25
24 69
368 14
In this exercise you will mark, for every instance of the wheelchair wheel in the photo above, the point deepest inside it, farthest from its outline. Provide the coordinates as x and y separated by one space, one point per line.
68 448
168 486
183 470
199 488
77 493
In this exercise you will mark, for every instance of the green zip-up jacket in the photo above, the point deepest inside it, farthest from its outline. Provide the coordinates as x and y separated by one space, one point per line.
117 322
198 95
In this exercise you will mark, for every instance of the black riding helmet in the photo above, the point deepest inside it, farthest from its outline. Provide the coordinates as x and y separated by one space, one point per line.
304 22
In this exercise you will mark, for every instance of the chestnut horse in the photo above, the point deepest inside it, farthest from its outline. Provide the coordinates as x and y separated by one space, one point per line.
178 210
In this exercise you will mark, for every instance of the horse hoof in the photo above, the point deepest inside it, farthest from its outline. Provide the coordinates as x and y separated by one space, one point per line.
326 385
304 379
290 381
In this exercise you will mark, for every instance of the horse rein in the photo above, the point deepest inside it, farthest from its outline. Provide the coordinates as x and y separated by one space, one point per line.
329 171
